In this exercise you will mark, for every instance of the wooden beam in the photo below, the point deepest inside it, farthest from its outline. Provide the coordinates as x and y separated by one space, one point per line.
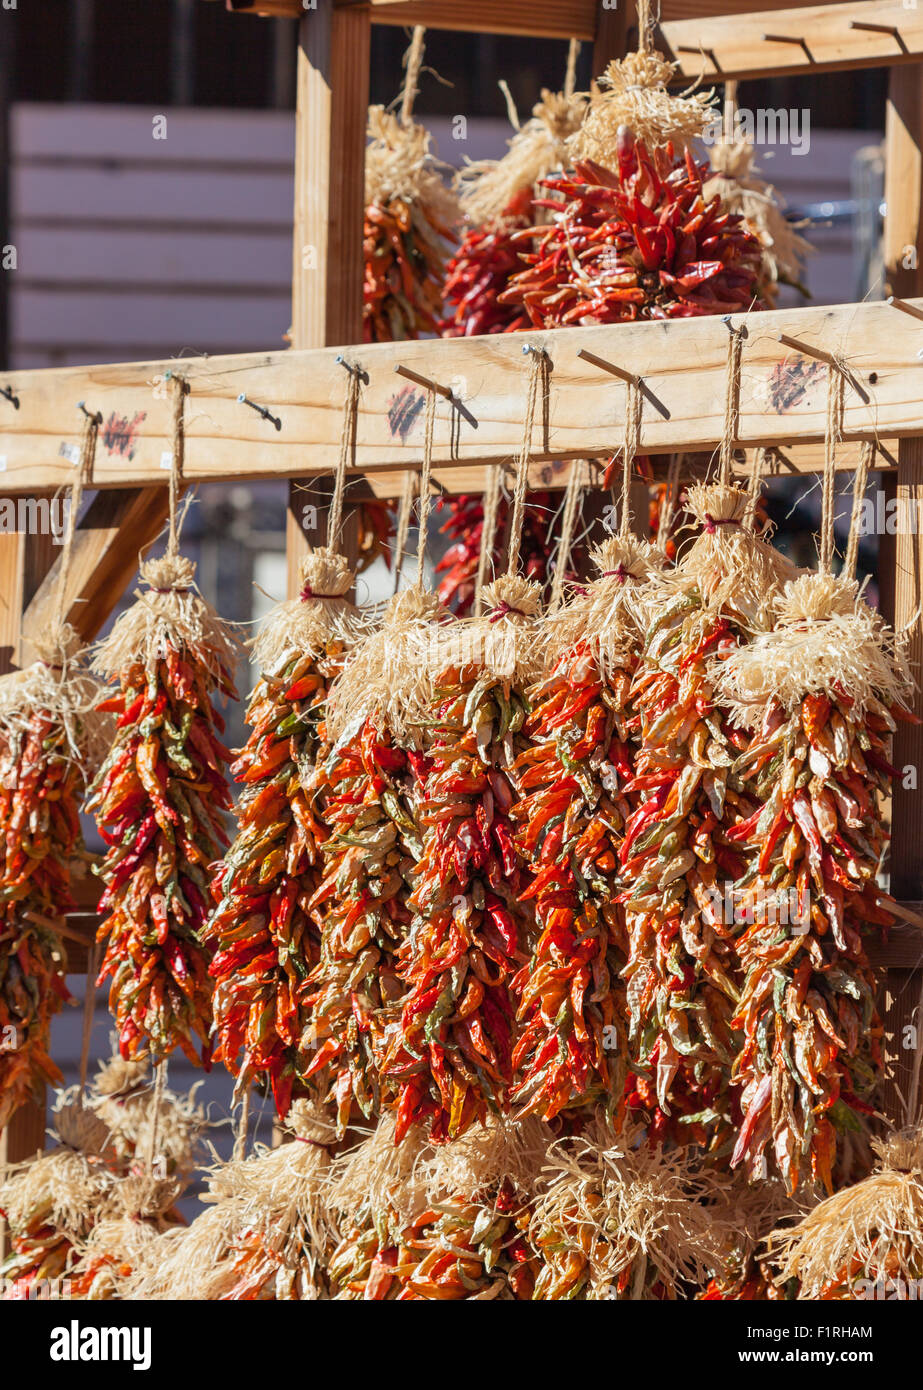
903 234
330 126
716 49
563 19
683 363
612 27
116 527
906 863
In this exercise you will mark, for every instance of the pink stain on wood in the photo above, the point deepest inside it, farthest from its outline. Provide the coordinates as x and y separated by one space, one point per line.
119 434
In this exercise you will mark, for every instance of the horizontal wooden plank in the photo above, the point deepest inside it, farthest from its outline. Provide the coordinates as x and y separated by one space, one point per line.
683 363
263 198
903 949
823 38
692 9
563 19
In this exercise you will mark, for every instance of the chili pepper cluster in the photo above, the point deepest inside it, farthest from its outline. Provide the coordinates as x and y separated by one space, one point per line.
40 790
159 799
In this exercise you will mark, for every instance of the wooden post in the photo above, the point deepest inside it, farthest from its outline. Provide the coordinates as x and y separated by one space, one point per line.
332 113
902 985
613 21
903 235
903 249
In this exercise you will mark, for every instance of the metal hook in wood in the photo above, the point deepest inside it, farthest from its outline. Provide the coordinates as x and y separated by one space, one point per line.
95 415
10 395
353 368
891 29
444 391
709 53
628 377
904 307
823 356
790 38
610 367
244 399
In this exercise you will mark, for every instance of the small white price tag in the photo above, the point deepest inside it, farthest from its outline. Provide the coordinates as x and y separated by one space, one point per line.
2 463
69 451
166 459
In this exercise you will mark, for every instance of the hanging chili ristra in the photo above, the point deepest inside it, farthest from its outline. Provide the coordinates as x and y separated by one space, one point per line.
681 846
572 816
453 1056
263 929
49 734
374 772
159 801
819 760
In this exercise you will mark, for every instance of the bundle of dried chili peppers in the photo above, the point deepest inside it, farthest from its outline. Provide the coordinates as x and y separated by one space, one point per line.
374 774
572 813
681 847
453 1055
456 1231
410 217
636 237
49 736
263 928
265 1234
820 694
159 800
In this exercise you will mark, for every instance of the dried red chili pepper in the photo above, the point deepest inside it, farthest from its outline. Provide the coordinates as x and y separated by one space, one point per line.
639 241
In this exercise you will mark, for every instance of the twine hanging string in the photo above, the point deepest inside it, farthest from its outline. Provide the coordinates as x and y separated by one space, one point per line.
759 465
160 1081
177 458
647 20
89 1004
572 496
347 454
243 1125
539 371
83 479
860 483
403 523
833 435
488 534
634 406
570 76
731 406
426 496
670 498
414 62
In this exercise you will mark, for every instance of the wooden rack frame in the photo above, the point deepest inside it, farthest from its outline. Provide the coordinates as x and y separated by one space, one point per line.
682 363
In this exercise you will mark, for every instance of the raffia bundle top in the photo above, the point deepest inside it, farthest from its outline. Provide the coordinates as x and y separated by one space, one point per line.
60 685
503 640
536 150
632 1207
320 613
827 639
169 614
610 611
398 164
729 565
383 677
633 93
873 1229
